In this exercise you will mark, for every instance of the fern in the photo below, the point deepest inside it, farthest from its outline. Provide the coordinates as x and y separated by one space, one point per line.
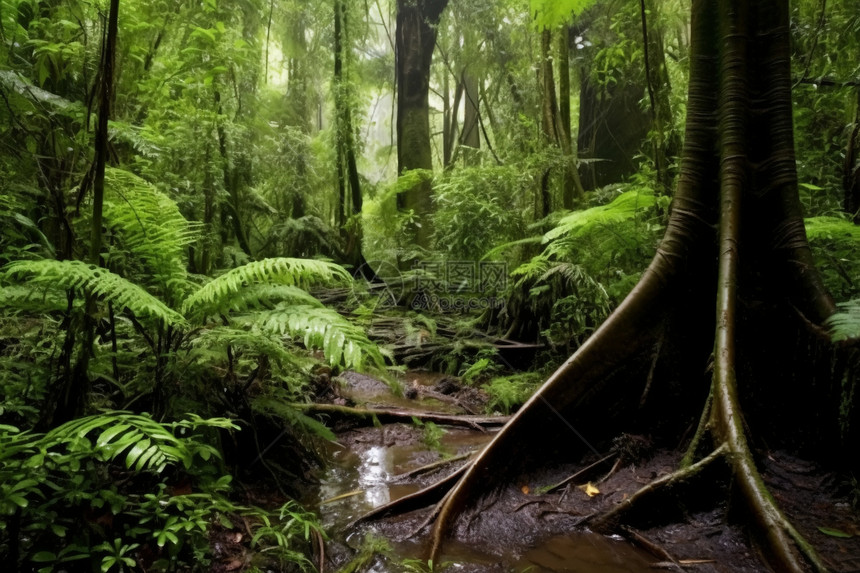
211 344
149 232
93 281
145 443
286 412
341 341
266 296
627 206
26 299
845 325
302 273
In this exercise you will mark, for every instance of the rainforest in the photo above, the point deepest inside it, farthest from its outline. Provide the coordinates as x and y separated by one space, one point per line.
429 285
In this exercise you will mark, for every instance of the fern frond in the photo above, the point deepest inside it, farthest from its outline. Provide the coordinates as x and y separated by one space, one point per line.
266 296
150 234
341 341
302 273
22 298
626 206
818 228
211 343
293 417
845 324
93 281
146 443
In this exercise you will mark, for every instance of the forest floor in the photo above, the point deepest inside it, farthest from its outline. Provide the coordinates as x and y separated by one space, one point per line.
524 528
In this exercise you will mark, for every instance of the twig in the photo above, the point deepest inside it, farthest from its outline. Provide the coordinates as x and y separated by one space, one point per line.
581 472
652 547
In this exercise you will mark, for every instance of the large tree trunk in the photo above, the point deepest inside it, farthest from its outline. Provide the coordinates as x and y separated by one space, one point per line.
736 203
415 41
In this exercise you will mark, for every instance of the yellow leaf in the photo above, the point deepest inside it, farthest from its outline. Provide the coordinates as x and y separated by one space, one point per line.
589 489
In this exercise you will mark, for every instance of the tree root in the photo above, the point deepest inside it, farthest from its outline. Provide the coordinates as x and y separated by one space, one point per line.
604 522
430 467
653 548
419 499
479 423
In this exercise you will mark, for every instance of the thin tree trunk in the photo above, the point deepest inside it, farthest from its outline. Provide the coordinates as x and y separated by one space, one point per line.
572 190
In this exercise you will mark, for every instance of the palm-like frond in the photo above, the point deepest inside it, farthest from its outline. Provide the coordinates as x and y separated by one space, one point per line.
93 281
216 294
341 341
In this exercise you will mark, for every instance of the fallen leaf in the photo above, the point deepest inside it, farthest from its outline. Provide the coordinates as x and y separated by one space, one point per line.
589 489
834 532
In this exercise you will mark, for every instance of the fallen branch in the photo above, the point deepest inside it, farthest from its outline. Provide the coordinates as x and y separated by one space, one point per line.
388 415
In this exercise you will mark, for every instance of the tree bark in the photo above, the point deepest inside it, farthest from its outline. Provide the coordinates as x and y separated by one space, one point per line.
736 203
349 183
414 44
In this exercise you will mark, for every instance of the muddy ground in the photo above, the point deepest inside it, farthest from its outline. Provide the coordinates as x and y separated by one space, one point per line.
522 528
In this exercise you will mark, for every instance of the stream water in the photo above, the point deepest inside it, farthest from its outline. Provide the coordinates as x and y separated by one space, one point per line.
359 479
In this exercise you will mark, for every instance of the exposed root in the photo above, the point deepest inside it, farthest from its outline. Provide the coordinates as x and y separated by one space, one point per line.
701 429
417 500
605 521
430 467
656 550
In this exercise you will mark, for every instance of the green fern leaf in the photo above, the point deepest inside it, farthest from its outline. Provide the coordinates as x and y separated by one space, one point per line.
93 281
626 206
342 342
302 273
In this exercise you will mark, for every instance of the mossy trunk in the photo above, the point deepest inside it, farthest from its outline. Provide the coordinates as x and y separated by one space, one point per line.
414 44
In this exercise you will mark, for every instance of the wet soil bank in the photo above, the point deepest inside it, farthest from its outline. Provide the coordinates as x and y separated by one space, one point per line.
525 528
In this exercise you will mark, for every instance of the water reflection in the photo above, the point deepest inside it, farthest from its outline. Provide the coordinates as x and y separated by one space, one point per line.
373 473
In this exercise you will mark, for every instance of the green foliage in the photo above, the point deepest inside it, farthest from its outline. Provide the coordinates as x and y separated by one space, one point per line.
590 260
91 281
834 242
432 434
552 13
215 296
508 393
50 481
278 534
477 208
148 235
342 342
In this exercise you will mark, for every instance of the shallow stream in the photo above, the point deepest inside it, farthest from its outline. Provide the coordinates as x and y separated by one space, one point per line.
360 476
